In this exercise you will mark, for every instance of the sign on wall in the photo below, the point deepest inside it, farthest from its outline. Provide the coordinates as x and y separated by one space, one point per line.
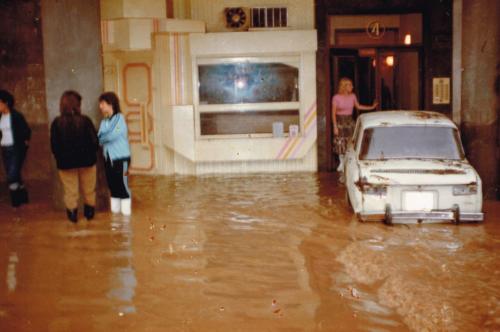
441 90
375 30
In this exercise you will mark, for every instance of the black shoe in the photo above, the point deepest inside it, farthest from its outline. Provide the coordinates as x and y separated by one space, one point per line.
72 215
88 212
15 198
23 196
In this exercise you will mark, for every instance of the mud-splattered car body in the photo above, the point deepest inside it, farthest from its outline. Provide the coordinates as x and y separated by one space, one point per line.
408 167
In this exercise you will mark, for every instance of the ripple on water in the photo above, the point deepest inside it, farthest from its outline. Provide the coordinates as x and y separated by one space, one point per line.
436 281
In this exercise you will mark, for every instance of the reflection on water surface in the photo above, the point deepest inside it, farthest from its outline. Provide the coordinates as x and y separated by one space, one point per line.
249 253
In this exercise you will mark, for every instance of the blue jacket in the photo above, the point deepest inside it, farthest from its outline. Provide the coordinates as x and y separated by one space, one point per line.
113 137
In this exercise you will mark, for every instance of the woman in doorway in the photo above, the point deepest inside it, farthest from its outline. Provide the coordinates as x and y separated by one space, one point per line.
113 137
14 138
343 104
73 140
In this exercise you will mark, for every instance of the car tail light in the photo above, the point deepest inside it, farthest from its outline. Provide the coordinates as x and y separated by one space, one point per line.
465 189
371 188
374 189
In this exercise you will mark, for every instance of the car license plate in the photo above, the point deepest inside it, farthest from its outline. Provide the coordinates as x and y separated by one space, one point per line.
418 200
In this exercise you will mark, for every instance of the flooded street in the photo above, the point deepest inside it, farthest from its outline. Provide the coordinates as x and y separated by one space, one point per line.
243 253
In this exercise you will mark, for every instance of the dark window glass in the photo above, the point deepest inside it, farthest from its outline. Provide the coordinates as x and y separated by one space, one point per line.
276 14
283 17
402 142
269 18
255 17
258 17
262 17
246 122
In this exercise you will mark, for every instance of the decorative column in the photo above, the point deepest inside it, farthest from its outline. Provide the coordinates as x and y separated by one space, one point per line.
324 118
480 100
73 60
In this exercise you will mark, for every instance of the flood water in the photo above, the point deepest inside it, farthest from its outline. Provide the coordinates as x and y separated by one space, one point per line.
243 253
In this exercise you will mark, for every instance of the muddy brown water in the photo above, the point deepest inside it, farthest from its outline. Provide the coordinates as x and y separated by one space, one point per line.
243 253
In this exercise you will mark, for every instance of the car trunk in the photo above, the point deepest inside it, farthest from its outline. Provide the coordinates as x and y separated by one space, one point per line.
416 172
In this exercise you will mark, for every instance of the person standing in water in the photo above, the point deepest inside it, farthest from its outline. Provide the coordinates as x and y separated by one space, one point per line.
113 137
73 140
14 141
343 104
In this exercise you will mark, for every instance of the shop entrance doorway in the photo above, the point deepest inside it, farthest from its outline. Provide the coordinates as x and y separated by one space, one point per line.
383 55
392 76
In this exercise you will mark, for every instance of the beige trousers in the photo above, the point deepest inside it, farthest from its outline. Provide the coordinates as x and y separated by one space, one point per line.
75 179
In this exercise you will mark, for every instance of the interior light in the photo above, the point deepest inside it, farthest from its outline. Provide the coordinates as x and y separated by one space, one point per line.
240 83
389 60
374 63
407 39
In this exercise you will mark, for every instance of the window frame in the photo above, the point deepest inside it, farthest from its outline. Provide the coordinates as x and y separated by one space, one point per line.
294 60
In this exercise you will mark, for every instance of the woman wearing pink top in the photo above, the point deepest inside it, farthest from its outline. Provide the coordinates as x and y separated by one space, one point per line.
343 104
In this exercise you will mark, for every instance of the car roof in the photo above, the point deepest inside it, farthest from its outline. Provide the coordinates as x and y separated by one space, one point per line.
398 118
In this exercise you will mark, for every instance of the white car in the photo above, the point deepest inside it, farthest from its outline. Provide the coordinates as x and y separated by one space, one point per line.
409 167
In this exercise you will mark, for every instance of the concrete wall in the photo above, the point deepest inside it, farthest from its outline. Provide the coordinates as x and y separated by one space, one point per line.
22 73
72 58
300 12
480 80
72 53
111 9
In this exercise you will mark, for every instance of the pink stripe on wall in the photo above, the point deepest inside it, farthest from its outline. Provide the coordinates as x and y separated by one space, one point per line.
290 150
297 148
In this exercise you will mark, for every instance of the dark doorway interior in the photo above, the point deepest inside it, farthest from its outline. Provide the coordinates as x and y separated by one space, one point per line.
348 63
389 75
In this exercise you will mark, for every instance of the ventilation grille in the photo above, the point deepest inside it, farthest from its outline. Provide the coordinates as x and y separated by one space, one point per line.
267 17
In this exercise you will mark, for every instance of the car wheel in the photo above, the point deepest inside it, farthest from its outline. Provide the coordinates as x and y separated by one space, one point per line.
388 215
456 214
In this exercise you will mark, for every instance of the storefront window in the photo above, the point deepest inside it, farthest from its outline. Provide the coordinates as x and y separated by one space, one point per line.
246 97
248 122
246 82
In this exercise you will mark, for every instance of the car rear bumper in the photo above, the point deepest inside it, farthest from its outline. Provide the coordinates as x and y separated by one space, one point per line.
413 217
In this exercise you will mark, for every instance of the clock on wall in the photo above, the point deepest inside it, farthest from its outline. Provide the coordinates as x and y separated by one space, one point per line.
236 17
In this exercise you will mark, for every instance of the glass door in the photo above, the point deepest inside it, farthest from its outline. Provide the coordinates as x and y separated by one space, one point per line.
389 75
398 79
359 68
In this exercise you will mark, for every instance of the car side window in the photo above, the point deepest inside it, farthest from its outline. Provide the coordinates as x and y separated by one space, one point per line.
365 144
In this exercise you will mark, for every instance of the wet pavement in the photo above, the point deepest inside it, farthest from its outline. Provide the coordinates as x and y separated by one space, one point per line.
243 253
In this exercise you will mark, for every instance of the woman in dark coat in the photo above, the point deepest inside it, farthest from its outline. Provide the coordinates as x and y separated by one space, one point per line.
73 140
14 140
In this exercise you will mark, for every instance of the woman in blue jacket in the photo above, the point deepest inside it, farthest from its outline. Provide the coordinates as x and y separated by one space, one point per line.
14 138
113 137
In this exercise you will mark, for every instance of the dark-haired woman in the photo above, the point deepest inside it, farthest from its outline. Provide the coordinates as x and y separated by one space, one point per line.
73 140
113 137
14 138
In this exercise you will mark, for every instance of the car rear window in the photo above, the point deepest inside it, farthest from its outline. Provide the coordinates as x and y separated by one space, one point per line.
397 142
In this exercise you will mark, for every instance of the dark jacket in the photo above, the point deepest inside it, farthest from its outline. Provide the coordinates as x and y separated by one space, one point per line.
20 129
73 140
